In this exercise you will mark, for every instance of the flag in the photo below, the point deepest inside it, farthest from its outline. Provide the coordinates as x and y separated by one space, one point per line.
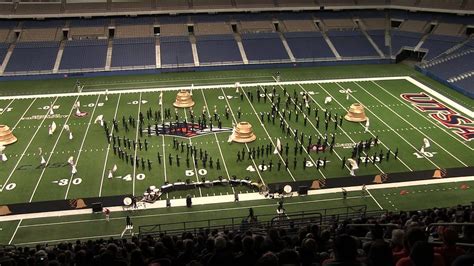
53 127
71 160
100 119
160 101
426 143
66 127
327 100
114 169
110 174
43 161
229 140
70 135
277 147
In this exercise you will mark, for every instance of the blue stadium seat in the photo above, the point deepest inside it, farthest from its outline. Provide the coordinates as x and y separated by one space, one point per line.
402 39
176 50
264 46
84 54
33 56
217 48
306 45
133 52
437 44
357 46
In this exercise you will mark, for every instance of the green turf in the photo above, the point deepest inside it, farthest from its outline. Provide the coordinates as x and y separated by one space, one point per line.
395 122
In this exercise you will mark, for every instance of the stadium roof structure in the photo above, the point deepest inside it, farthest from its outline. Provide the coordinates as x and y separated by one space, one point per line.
14 9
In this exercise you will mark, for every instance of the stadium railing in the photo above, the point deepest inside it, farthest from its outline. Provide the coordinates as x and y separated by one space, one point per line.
262 223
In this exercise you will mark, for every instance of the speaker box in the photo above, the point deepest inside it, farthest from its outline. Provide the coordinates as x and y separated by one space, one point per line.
97 207
303 190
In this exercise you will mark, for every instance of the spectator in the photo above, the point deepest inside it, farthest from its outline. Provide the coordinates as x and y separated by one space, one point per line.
380 254
345 252
449 251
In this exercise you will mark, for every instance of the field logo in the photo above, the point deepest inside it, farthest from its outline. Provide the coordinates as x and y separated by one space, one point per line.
183 129
449 118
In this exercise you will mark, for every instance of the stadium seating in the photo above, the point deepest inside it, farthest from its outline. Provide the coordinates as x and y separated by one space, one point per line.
401 39
437 44
359 238
357 46
3 51
33 56
176 50
217 49
308 45
264 46
378 36
133 52
84 54
454 66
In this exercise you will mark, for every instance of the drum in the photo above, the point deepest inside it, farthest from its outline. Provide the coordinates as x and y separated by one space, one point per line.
287 189
152 187
127 201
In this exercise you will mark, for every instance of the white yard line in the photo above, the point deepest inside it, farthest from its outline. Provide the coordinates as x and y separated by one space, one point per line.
342 129
217 141
136 145
67 239
14 233
108 149
301 144
246 146
440 96
421 132
372 134
163 156
82 146
6 108
192 155
52 150
411 107
27 146
393 130
178 88
23 115
268 135
370 194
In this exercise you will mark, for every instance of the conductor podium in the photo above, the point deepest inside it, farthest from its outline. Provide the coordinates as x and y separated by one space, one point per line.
356 113
6 136
184 99
243 133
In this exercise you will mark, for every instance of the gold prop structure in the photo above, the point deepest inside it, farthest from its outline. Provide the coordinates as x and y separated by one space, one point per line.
356 113
243 133
6 136
184 99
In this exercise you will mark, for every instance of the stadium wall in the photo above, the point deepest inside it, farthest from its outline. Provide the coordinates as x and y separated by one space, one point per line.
194 69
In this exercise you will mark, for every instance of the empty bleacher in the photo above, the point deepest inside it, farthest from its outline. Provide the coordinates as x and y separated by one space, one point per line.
305 3
336 2
174 30
255 26
445 4
176 51
84 54
133 52
33 56
212 4
3 51
299 25
264 46
131 6
172 4
133 31
33 8
437 44
41 34
87 7
253 3
454 66
308 45
356 47
218 49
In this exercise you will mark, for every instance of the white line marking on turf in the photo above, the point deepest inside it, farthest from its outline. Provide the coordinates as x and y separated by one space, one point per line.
422 133
6 108
27 146
263 126
220 86
378 204
136 145
52 150
246 145
82 145
217 141
343 131
163 145
443 98
411 107
394 131
301 144
108 148
23 115
192 154
16 230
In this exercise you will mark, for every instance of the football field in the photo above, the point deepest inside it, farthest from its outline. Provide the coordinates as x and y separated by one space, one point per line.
152 144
